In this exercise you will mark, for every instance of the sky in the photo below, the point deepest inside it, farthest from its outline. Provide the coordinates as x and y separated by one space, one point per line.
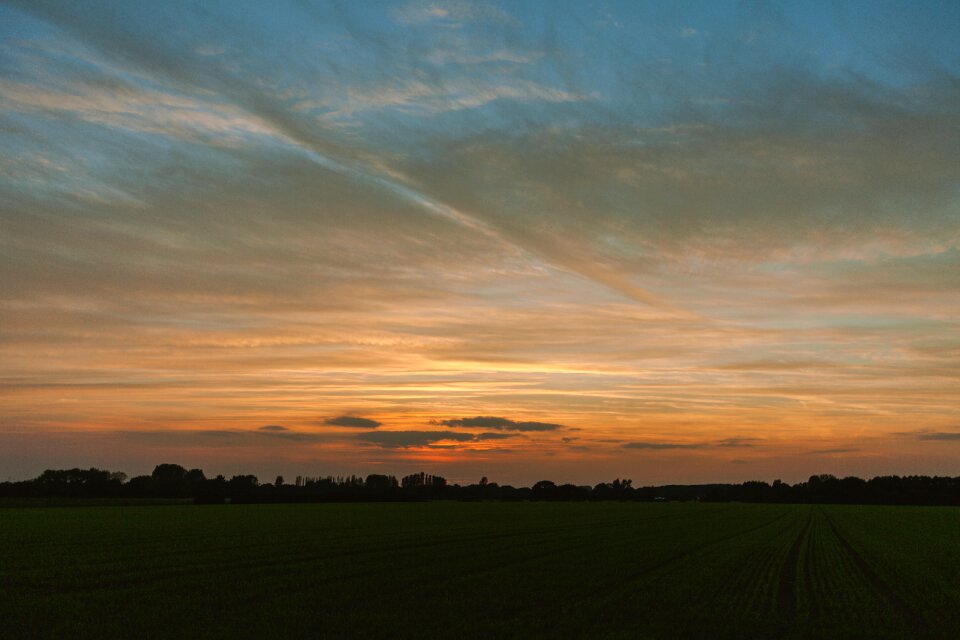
673 242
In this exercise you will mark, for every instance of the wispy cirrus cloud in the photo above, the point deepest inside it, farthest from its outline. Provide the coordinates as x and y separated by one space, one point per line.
136 109
451 13
422 98
435 211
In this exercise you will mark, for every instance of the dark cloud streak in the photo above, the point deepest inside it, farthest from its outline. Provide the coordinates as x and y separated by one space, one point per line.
942 436
353 421
662 446
407 439
494 422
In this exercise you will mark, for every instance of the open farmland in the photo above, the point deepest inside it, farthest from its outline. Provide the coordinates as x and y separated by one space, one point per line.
480 570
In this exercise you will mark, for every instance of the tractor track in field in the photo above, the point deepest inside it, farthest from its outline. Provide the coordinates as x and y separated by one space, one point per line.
640 573
814 604
377 571
573 543
122 578
787 587
907 612
609 589
689 552
286 562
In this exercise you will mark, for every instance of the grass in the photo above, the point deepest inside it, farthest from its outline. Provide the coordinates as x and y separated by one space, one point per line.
617 570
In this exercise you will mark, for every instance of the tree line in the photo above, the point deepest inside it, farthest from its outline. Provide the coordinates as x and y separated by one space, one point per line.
172 481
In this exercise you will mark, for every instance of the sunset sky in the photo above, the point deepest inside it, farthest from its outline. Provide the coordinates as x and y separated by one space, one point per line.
675 242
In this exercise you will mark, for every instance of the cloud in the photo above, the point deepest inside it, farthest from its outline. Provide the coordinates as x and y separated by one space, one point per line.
441 250
494 436
825 452
456 55
296 436
493 422
273 427
488 422
209 50
202 433
941 435
661 445
416 97
213 437
299 129
820 179
353 421
737 442
773 365
407 439
136 109
727 443
451 13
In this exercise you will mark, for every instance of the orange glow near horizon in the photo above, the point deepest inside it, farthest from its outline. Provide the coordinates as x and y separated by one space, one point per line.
283 244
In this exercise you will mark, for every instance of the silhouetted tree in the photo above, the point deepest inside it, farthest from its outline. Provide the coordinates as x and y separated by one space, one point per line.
173 481
78 483
170 481
243 488
380 485
543 490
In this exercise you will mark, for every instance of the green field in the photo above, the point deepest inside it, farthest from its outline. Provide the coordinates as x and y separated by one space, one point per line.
621 570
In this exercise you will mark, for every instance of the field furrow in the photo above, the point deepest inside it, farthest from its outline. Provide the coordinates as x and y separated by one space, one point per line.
480 570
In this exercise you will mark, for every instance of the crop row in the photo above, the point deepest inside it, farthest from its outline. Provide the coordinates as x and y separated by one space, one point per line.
479 570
